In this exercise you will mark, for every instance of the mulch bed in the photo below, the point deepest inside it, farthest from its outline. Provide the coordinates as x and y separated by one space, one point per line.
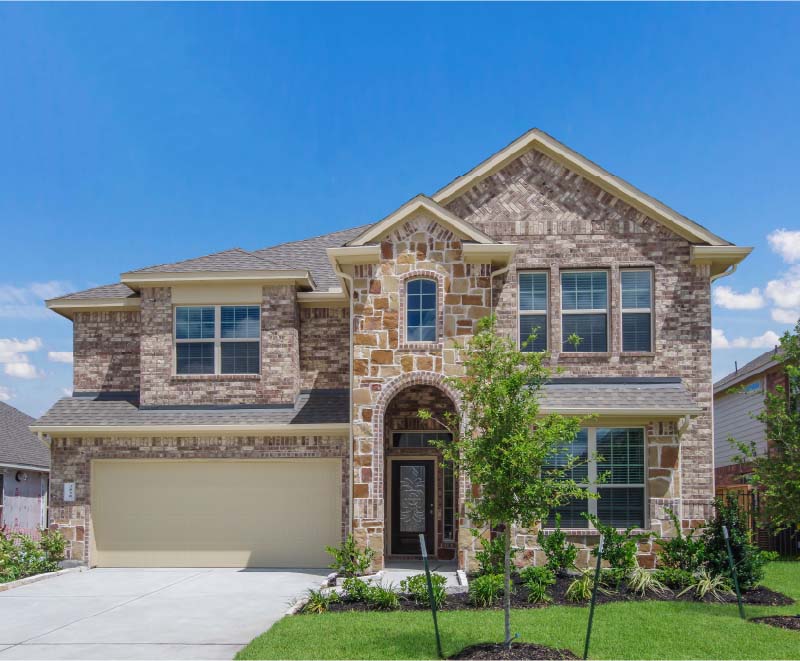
517 651
759 596
791 622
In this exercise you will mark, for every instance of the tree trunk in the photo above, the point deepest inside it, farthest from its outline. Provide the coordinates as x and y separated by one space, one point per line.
507 584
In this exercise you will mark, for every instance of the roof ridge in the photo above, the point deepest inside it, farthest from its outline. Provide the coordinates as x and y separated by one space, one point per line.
311 238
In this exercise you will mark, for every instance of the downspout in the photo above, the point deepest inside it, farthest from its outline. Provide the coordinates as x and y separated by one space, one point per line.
349 289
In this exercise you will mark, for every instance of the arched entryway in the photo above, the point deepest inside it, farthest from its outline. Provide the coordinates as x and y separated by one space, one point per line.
421 490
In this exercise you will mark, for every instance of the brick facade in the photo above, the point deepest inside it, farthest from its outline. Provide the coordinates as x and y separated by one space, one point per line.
106 351
72 457
324 347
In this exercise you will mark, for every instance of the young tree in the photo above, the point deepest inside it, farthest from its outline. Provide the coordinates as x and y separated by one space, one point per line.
776 472
503 444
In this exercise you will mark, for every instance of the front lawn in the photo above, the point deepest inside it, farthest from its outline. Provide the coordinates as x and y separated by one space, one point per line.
636 630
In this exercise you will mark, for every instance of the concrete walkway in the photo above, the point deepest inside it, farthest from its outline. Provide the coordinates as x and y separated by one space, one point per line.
146 613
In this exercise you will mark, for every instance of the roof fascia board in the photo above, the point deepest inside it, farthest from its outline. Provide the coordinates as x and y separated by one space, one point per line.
650 414
24 467
422 203
536 139
720 258
67 308
338 428
325 299
370 254
153 278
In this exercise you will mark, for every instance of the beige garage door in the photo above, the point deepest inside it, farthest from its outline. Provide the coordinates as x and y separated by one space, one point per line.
197 513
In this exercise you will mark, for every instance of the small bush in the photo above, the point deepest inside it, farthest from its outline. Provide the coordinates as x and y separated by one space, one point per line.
540 575
675 579
491 559
355 589
417 587
486 590
748 559
349 559
642 581
319 601
612 578
619 548
22 556
705 584
581 588
538 593
383 597
683 552
560 553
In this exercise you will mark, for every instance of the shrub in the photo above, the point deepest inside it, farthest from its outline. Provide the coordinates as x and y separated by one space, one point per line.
319 601
491 559
619 548
417 587
581 588
560 553
706 583
22 556
612 578
485 590
642 581
538 593
349 560
538 581
682 551
748 559
355 589
676 579
383 597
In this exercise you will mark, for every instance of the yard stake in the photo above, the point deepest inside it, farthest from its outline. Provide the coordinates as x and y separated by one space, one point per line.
430 594
594 596
733 571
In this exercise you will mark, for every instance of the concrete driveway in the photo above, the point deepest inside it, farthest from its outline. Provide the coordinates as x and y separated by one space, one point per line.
146 613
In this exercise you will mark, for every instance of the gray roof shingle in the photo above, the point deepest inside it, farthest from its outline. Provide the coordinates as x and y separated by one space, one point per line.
604 394
234 259
18 445
117 290
312 407
756 366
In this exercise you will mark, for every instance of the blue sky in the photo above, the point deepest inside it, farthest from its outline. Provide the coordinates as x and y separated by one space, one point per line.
137 134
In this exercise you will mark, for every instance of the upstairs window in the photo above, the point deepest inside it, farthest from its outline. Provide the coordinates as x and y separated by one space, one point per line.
584 311
533 296
637 310
217 339
421 310
619 455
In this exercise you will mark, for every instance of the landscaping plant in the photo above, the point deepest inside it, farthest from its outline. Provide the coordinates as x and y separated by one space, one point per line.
675 579
349 559
492 555
619 548
642 581
776 472
681 552
383 597
22 556
486 590
748 559
417 587
504 445
705 583
538 581
355 589
319 601
581 588
560 553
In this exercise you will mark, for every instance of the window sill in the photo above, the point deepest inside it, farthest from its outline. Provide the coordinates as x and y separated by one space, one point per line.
215 377
577 355
593 532
420 346
637 354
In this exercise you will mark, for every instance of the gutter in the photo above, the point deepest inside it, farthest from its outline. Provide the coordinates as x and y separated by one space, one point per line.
116 430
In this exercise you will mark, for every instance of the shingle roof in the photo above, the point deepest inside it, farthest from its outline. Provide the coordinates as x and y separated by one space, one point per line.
312 407
310 254
234 259
756 366
117 290
18 445
628 394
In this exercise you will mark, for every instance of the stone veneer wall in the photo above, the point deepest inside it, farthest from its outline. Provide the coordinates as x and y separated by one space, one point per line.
72 457
384 363
560 220
324 347
278 383
106 348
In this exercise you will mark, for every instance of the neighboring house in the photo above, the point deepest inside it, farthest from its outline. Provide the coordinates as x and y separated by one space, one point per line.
250 407
738 399
24 472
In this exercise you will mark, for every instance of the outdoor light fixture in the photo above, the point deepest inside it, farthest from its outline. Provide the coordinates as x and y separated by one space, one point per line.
21 476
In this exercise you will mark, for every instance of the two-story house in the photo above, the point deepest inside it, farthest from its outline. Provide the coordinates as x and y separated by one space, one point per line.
250 407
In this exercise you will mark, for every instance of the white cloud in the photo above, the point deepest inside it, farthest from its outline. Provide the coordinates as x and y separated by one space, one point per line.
14 357
786 243
766 341
67 392
725 297
27 302
785 315
785 292
5 393
22 370
60 356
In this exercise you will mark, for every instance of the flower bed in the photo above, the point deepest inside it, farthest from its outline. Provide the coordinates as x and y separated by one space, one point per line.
517 651
791 622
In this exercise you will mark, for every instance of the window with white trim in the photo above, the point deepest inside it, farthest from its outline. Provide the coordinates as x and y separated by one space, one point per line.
618 454
637 309
421 310
218 339
584 311
533 297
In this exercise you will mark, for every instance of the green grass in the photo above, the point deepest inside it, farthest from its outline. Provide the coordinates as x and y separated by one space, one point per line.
642 630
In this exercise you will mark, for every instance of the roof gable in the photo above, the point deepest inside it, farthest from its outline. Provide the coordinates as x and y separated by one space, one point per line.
18 445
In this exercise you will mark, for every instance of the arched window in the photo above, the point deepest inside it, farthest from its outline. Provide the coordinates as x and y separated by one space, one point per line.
421 310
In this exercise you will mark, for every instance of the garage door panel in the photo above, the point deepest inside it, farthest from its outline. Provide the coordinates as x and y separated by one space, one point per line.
216 513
